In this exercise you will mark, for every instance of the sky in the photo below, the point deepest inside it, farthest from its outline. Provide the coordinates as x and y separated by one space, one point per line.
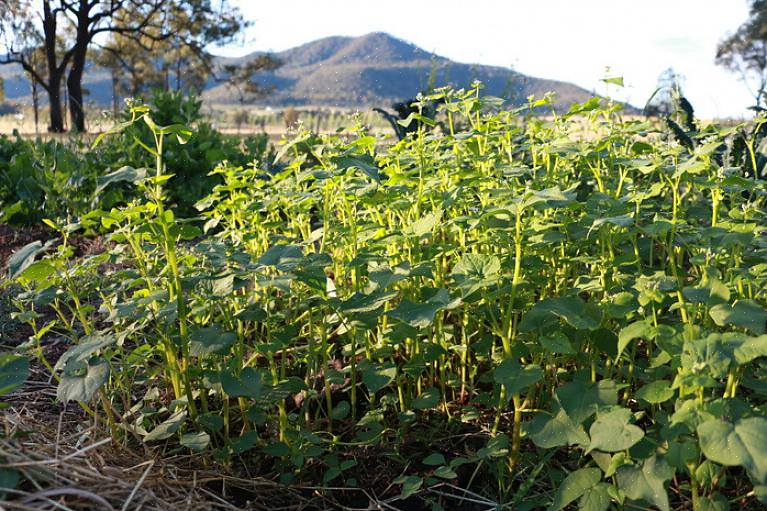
570 40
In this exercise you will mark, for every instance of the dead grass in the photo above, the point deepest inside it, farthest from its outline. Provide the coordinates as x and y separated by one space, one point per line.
69 463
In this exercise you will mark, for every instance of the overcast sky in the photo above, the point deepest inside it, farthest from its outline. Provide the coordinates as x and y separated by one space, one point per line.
572 40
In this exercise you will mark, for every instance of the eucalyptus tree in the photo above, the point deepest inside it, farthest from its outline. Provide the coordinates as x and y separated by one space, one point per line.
67 30
745 51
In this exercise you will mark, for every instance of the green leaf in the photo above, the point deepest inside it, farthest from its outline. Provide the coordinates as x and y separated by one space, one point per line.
574 486
330 474
714 293
515 377
211 422
476 271
577 313
340 410
496 447
425 224
636 330
253 312
166 429
14 371
557 342
211 341
421 315
445 473
743 443
377 376
365 303
82 387
277 449
23 258
596 498
248 384
581 400
434 459
279 255
244 442
410 485
744 314
364 162
715 502
556 430
646 483
612 432
37 272
749 348
615 80
123 174
76 357
553 197
656 392
710 355
428 399
197 442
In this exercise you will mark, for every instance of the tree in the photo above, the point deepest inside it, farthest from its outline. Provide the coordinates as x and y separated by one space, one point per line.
745 51
240 77
67 29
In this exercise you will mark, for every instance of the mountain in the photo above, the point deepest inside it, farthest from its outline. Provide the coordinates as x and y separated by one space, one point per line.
371 70
377 70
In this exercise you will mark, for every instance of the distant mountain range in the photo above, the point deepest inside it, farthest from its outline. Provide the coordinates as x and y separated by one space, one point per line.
371 70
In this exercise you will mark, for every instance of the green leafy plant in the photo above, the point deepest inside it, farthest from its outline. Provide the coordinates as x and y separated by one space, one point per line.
578 300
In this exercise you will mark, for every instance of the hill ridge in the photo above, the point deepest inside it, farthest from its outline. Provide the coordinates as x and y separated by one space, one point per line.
375 69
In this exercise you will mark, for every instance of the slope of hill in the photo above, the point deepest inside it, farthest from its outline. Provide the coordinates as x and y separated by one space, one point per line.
371 70
378 69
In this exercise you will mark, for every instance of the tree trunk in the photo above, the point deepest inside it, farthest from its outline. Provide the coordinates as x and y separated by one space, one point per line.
54 101
75 90
76 70
55 71
36 105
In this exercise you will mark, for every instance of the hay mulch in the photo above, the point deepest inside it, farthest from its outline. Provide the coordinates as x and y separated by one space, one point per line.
69 463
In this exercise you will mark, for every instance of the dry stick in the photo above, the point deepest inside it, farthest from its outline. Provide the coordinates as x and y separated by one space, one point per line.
57 461
22 506
137 486
84 494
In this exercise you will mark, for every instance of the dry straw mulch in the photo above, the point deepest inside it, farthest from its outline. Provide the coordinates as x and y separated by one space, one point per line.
69 463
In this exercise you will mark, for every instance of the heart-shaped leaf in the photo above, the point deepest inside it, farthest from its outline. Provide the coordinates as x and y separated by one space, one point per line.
82 387
574 486
656 392
211 341
247 384
167 428
516 378
743 314
377 376
555 430
197 442
743 443
428 399
612 432
646 483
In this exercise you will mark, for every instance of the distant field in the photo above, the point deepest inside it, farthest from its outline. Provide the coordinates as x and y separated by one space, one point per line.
229 119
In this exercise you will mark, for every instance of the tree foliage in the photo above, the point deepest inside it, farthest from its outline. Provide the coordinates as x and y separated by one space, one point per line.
178 31
745 51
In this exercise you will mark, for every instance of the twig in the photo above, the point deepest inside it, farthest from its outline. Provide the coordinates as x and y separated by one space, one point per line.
137 486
